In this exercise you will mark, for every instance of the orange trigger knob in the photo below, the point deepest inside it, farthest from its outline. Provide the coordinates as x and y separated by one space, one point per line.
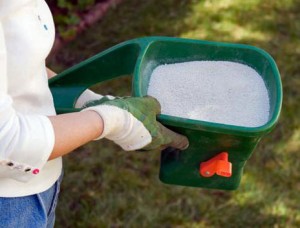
219 165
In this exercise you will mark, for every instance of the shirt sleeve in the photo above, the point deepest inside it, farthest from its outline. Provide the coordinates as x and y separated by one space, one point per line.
26 141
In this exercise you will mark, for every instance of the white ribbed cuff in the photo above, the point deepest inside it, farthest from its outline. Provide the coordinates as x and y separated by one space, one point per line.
122 127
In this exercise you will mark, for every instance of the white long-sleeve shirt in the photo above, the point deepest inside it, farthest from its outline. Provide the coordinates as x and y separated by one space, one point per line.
26 134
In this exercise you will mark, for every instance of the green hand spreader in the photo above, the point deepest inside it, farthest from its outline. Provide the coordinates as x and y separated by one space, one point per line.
217 153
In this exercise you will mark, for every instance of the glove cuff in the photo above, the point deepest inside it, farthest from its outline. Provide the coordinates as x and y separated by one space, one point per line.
122 127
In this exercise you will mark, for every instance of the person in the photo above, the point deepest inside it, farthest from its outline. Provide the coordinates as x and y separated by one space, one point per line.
33 138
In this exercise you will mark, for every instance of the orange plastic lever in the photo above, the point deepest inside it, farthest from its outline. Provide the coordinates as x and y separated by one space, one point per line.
217 165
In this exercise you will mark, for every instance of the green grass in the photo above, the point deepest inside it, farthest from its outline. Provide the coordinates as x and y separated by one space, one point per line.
107 187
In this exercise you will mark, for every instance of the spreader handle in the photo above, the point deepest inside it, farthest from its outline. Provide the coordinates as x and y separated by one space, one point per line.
114 62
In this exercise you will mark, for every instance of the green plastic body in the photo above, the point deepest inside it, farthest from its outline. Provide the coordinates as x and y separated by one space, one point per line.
139 57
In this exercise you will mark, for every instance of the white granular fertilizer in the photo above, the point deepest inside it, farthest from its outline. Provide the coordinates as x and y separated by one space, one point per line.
214 91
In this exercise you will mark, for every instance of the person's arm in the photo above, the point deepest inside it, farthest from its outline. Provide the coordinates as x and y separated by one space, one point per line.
74 130
50 73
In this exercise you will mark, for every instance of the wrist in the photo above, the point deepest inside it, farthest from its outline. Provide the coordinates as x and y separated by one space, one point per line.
97 123
122 127
113 119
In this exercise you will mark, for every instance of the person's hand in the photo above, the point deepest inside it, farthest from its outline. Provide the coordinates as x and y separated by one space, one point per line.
89 96
131 123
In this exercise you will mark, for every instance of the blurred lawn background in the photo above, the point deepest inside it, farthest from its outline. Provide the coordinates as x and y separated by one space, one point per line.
107 187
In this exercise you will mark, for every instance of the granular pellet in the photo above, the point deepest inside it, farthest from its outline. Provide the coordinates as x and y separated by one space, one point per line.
215 91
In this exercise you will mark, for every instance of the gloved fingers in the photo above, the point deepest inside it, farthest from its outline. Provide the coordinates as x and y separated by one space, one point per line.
137 106
177 141
153 104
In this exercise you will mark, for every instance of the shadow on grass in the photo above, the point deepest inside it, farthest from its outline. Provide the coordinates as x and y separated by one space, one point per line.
251 215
